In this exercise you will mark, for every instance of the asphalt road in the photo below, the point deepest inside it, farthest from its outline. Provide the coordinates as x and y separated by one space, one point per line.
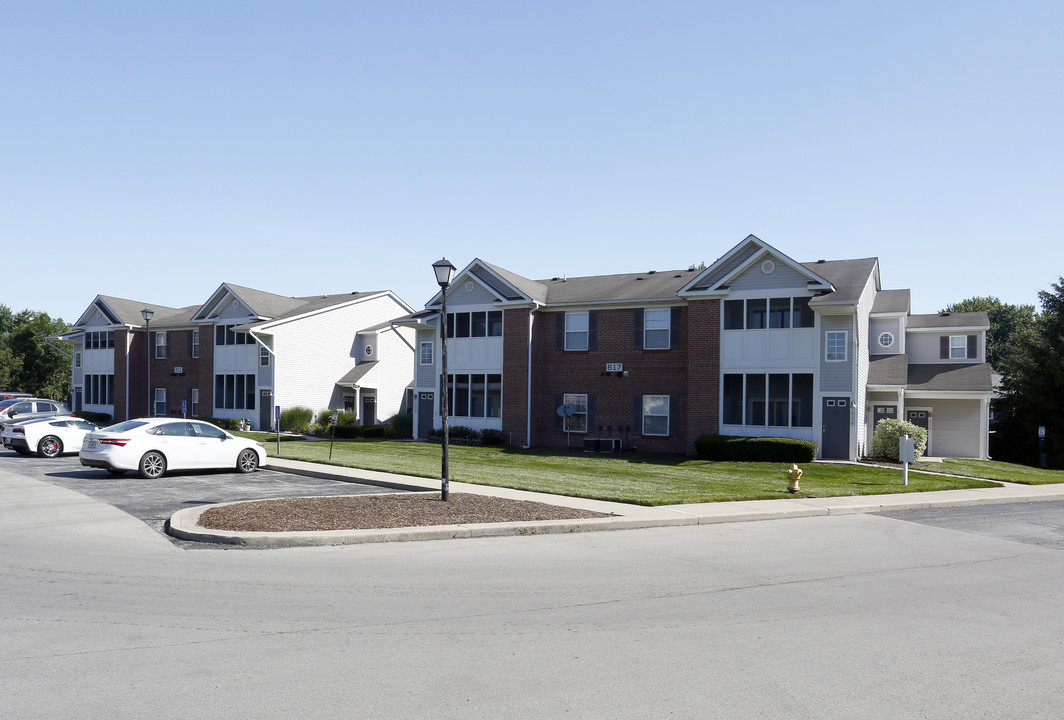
852 616
154 501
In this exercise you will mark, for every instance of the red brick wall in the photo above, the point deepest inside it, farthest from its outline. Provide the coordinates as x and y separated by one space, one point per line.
703 370
650 372
515 375
196 373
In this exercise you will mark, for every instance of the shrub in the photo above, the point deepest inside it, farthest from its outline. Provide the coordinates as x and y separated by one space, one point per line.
347 432
491 437
401 425
374 431
755 449
461 432
296 420
230 424
889 431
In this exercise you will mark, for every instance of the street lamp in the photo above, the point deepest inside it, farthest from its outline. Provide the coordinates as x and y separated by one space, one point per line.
444 274
147 313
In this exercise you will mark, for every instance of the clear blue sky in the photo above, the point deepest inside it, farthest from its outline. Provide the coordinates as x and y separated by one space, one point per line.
155 150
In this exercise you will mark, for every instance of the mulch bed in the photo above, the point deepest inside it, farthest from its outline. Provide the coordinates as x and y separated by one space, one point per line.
365 512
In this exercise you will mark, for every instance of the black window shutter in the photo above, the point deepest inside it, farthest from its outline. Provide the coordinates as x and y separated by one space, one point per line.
166 348
943 347
637 329
151 345
591 426
190 352
637 414
559 421
973 348
592 330
674 416
674 328
559 332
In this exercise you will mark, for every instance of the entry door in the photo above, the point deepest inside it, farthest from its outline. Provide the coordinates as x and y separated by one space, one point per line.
424 415
77 399
835 437
883 412
369 410
921 418
265 409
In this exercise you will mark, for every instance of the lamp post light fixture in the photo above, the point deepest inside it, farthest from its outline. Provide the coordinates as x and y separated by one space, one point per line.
147 313
444 274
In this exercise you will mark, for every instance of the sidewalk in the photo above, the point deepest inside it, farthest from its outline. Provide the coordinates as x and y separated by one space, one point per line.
625 516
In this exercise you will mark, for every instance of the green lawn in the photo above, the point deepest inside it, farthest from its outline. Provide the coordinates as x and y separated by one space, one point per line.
993 470
637 479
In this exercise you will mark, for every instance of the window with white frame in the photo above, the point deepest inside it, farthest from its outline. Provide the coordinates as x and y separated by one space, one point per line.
77 359
195 402
99 389
772 313
835 346
160 402
656 415
768 399
160 345
195 343
576 331
577 422
264 356
958 347
656 325
425 355
234 392
886 339
475 395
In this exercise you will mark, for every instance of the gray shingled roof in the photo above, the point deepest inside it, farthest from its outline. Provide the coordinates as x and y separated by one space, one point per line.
605 288
357 372
128 311
891 301
888 369
949 320
534 290
848 277
957 378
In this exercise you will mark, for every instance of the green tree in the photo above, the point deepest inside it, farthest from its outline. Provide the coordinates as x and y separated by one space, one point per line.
1007 324
1033 387
32 364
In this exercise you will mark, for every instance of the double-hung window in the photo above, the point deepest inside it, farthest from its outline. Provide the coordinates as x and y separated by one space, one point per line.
958 347
425 355
576 331
656 325
577 422
835 346
160 345
264 356
656 415
160 402
195 343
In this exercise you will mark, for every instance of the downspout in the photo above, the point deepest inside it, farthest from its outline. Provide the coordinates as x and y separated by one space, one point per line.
129 339
528 399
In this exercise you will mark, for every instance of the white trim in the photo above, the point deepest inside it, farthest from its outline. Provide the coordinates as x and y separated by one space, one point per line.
845 345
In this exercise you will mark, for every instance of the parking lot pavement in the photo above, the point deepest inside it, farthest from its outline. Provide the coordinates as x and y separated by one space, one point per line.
154 501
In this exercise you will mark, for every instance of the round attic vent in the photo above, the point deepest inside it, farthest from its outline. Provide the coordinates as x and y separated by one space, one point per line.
768 267
369 350
469 286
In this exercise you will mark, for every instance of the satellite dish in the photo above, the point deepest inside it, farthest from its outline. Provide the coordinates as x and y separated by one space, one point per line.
566 410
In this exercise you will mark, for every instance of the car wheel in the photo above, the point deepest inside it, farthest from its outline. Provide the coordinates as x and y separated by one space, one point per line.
152 465
116 471
247 461
49 446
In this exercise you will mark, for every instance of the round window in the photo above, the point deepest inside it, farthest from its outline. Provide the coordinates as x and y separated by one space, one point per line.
768 267
369 350
886 339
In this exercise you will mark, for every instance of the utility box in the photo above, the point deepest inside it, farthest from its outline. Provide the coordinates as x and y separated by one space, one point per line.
907 449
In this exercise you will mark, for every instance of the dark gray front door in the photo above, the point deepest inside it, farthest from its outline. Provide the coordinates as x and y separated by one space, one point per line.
424 415
919 418
265 409
369 410
77 399
835 437
883 412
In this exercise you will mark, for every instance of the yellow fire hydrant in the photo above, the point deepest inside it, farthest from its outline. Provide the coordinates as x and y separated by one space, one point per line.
793 476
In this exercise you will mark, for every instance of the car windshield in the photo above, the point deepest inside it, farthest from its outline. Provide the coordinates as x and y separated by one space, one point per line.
127 425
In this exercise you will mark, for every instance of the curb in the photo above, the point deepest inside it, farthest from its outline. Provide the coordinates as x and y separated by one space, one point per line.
183 524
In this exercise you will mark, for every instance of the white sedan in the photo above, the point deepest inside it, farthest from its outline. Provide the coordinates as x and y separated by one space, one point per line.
47 437
151 446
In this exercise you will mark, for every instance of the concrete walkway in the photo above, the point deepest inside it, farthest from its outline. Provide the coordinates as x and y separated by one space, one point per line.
183 524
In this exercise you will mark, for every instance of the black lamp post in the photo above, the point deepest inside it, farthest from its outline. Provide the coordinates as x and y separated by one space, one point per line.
147 313
444 274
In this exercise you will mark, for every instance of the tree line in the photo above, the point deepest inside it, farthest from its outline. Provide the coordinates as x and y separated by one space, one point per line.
1026 346
27 362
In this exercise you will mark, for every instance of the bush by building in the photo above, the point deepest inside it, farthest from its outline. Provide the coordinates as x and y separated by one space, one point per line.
755 449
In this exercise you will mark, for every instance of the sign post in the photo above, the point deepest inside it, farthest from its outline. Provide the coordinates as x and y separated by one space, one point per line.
184 409
1043 458
907 454
277 423
332 438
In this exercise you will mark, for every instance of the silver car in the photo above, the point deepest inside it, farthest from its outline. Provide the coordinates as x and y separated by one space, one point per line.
31 409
